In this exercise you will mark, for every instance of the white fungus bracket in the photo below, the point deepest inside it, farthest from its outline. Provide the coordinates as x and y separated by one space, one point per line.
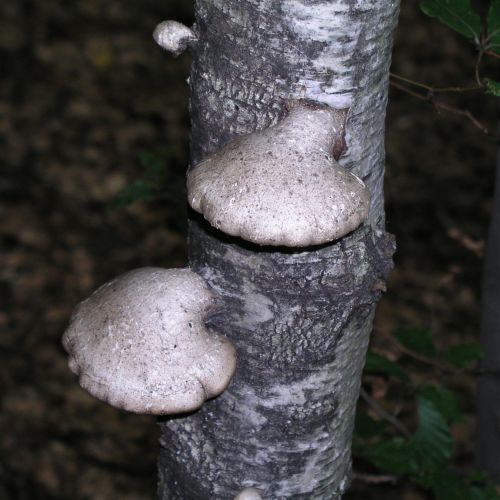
282 186
140 343
248 494
174 37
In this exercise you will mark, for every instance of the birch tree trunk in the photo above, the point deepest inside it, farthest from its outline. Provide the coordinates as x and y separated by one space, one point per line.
300 320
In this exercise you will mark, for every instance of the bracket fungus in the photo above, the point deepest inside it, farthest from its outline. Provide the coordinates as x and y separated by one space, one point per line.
248 494
140 344
174 37
282 185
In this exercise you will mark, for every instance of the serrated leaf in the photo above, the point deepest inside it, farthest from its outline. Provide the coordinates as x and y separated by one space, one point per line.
493 22
378 364
456 14
365 427
432 443
463 355
394 456
492 87
417 340
444 401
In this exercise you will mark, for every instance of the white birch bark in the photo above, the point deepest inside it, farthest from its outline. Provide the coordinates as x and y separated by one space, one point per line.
300 320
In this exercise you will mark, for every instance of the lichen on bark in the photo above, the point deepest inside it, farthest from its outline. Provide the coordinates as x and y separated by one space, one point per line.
300 320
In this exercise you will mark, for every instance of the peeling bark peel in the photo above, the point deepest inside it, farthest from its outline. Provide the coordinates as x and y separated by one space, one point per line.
300 321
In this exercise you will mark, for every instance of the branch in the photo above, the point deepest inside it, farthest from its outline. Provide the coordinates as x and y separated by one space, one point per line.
374 478
477 68
492 54
423 359
442 367
377 407
438 105
435 90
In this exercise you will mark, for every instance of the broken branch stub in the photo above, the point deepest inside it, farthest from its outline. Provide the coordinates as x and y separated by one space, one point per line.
282 185
139 343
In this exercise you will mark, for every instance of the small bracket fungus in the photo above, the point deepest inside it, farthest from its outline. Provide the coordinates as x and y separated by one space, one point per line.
248 494
174 37
282 185
139 343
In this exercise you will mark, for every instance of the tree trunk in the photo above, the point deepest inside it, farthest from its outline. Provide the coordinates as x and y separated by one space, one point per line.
488 398
300 320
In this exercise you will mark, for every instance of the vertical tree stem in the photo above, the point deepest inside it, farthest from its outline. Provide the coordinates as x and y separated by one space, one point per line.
300 320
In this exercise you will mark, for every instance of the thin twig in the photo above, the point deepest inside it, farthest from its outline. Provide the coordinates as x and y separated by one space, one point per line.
435 90
444 368
492 54
420 357
374 478
385 414
438 105
477 68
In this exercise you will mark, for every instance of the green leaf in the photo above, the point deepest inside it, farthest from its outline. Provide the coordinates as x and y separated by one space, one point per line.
492 87
478 476
456 14
493 22
139 190
444 401
394 456
378 364
365 427
161 181
416 340
463 355
483 493
481 487
432 443
447 485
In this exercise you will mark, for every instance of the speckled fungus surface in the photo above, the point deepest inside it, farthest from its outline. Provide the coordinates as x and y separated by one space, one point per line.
174 37
248 494
140 344
281 185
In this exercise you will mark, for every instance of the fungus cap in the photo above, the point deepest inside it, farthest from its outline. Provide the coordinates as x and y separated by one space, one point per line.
282 185
173 36
139 343
248 494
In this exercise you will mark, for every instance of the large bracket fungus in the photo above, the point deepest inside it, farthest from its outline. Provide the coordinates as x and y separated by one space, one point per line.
282 185
248 494
140 344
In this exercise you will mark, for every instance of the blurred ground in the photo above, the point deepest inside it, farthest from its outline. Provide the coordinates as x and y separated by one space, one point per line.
83 91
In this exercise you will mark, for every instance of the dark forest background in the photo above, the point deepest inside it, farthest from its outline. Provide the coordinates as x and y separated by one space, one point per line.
90 106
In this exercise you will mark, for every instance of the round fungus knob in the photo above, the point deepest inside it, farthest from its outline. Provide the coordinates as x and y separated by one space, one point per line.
139 343
248 494
174 37
282 185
